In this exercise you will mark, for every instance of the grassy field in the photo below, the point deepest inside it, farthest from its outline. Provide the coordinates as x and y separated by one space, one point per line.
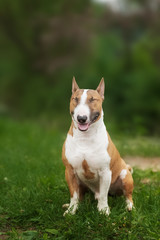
33 190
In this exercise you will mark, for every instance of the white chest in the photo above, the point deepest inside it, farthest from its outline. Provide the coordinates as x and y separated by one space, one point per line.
91 147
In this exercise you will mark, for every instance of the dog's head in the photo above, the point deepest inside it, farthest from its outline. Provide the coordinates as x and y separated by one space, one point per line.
86 105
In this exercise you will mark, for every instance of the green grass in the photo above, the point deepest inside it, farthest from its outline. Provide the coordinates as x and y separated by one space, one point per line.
138 146
33 190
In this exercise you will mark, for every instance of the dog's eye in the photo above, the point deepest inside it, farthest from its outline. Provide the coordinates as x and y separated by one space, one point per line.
92 99
76 99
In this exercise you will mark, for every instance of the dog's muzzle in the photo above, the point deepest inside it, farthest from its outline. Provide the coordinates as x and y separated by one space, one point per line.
94 116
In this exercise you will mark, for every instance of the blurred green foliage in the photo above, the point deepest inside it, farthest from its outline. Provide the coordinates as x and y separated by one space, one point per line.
43 44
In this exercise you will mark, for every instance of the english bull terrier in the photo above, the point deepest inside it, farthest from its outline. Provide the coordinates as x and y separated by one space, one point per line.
91 159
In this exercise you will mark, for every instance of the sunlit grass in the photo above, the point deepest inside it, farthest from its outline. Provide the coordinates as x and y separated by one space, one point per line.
138 146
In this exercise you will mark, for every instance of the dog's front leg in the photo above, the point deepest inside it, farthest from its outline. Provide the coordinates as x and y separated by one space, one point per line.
74 190
104 185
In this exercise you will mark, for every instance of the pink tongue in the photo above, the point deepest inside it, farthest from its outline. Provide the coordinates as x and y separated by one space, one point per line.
83 127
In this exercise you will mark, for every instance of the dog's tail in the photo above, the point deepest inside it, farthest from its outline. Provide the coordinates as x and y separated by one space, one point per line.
130 168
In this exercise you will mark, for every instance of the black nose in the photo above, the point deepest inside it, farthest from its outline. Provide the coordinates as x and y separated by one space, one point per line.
81 119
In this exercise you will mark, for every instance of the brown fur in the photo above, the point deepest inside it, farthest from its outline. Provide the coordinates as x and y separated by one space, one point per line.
128 186
119 186
75 96
96 104
87 173
69 174
71 129
71 179
116 164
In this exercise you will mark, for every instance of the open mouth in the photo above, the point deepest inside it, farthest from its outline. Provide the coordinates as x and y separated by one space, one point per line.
83 126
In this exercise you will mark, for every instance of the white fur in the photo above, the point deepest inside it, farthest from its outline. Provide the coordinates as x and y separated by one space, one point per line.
73 204
92 147
123 173
82 108
129 204
84 97
105 181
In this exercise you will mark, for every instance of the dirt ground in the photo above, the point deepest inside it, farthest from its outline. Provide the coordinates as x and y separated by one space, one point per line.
144 163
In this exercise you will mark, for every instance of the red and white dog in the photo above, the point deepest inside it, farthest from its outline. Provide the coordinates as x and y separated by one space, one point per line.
89 155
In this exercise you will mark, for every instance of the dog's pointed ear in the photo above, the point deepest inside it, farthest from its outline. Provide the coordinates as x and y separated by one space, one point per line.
101 87
74 85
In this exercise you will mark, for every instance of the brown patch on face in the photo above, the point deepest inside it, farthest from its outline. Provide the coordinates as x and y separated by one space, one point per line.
87 173
75 100
94 102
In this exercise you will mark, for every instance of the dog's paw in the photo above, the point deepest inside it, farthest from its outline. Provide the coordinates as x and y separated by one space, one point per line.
66 213
104 210
66 205
71 210
129 205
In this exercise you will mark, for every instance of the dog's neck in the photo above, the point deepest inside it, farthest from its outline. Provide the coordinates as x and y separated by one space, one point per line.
93 130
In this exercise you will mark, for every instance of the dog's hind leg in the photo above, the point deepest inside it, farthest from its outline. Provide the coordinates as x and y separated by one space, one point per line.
127 185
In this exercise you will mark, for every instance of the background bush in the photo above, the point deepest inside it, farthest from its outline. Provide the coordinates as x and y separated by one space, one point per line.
43 44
